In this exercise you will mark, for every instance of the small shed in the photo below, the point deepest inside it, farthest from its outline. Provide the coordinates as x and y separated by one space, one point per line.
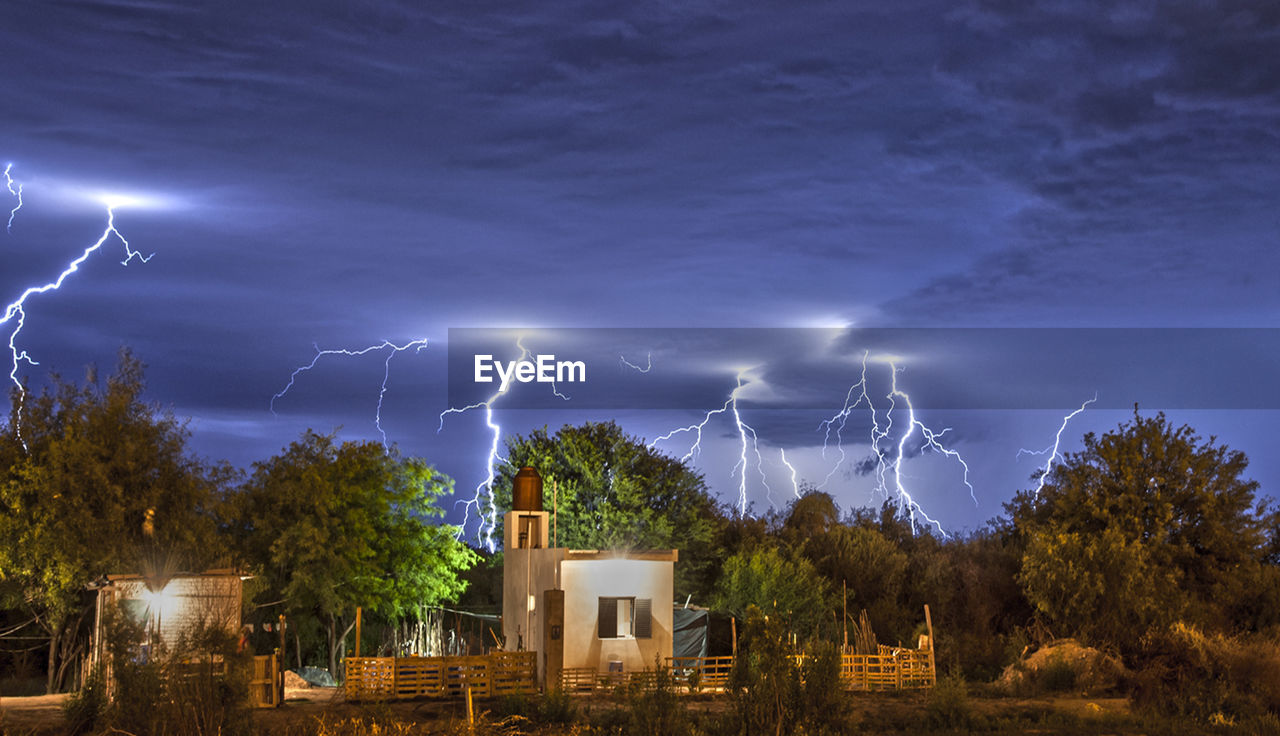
169 609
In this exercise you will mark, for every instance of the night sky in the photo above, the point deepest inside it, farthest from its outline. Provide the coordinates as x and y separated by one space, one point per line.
342 173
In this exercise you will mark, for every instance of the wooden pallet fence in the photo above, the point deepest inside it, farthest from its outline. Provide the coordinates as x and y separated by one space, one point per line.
370 678
894 670
890 669
417 677
461 672
578 679
712 673
399 678
513 672
589 680
917 668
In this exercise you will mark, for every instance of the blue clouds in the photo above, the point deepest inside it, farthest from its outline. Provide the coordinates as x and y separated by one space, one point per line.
388 170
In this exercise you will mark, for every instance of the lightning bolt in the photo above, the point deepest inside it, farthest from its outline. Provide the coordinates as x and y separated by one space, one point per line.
1052 450
931 440
696 447
749 442
889 461
648 365
795 487
420 344
486 509
841 417
16 310
9 182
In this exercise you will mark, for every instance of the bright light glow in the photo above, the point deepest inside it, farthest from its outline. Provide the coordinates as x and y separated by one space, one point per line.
163 603
826 322
76 194
116 200
484 490
889 359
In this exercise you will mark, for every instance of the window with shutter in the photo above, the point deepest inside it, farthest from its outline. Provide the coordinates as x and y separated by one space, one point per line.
608 626
643 618
625 618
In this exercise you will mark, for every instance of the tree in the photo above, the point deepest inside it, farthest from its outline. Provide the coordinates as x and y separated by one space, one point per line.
773 582
765 681
855 558
981 607
773 690
332 527
614 492
1145 525
96 481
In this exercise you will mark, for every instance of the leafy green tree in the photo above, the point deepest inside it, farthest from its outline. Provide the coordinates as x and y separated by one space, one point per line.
854 558
335 526
614 492
774 691
1104 586
1145 525
786 588
94 480
981 610
765 683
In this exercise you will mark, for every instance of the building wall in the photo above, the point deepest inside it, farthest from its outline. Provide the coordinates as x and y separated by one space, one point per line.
585 582
186 603
525 573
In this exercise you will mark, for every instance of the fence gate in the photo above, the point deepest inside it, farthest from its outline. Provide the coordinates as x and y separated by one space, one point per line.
266 687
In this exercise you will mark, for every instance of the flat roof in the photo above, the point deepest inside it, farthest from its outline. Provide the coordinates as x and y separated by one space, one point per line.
654 555
225 572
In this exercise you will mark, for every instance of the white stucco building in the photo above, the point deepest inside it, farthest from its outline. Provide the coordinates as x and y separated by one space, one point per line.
603 610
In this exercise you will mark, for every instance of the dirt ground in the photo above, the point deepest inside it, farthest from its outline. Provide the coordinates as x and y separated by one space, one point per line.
36 711
43 714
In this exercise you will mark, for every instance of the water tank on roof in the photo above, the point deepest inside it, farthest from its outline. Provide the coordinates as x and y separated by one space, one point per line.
526 490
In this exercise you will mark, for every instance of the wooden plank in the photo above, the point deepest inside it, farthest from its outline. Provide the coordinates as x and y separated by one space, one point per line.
501 673
933 667
578 679
262 685
713 671
417 677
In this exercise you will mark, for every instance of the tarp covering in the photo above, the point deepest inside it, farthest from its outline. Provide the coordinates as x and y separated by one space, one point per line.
317 677
690 636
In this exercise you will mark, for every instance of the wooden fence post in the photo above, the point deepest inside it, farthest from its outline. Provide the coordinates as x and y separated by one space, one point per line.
471 717
277 681
359 629
933 671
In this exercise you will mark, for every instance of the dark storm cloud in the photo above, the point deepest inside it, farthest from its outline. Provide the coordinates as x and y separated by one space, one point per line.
1100 115
345 173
